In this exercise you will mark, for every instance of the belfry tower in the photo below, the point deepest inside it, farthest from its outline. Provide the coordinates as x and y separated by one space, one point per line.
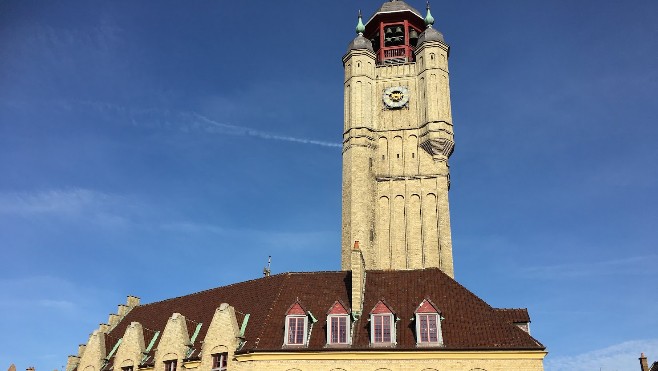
397 139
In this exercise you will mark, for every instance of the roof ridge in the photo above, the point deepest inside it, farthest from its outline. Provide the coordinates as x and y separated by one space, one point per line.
317 272
213 288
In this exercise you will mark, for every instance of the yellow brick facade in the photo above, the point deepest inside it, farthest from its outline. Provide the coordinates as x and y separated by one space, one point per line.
395 161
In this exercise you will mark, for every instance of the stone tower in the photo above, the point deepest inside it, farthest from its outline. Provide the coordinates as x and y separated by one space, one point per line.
397 139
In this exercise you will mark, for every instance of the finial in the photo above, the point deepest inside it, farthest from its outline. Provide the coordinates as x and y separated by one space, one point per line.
359 26
429 20
267 271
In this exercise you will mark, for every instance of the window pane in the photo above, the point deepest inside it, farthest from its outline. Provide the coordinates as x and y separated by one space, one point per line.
338 330
292 324
423 328
342 329
299 336
378 329
433 329
296 330
428 328
334 329
382 328
386 337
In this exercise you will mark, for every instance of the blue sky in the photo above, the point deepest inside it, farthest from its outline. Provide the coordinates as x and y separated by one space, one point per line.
162 148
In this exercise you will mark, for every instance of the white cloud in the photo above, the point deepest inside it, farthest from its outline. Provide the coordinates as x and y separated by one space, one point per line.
40 294
618 357
101 208
221 128
65 305
192 122
70 202
277 240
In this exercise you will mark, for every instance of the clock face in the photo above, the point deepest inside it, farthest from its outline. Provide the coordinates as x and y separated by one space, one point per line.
396 97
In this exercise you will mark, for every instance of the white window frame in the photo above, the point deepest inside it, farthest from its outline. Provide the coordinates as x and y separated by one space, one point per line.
221 356
439 334
348 329
392 322
287 337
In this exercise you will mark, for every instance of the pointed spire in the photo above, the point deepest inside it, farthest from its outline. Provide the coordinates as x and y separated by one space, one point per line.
359 26
429 20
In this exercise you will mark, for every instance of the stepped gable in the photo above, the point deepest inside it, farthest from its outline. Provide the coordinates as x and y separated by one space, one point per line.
469 323
253 297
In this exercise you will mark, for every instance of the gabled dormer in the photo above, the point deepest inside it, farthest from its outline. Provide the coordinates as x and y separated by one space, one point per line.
382 325
428 324
297 325
338 325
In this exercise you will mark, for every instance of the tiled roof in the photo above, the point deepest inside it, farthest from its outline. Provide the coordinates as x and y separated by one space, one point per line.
469 322
514 315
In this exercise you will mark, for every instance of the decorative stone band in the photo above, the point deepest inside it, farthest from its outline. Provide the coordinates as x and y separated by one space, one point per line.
412 177
358 137
395 355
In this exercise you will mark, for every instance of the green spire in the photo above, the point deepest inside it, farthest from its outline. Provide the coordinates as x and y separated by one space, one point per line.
359 26
429 20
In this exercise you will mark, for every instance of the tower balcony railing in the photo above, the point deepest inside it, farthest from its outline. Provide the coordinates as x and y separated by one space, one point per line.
395 54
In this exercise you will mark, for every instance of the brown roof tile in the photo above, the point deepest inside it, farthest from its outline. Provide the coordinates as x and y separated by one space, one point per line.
469 322
514 315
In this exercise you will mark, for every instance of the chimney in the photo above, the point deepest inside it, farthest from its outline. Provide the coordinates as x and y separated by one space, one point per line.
644 365
358 279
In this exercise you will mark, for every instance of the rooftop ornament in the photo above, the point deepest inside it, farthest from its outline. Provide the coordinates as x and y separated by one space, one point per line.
360 28
429 20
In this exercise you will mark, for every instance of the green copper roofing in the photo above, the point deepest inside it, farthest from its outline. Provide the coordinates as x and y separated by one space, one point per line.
359 26
244 325
429 20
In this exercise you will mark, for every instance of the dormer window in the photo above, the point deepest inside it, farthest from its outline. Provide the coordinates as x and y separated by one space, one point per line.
296 325
428 324
382 325
170 365
338 324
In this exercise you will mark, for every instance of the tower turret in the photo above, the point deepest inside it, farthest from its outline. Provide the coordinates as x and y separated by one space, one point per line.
358 146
